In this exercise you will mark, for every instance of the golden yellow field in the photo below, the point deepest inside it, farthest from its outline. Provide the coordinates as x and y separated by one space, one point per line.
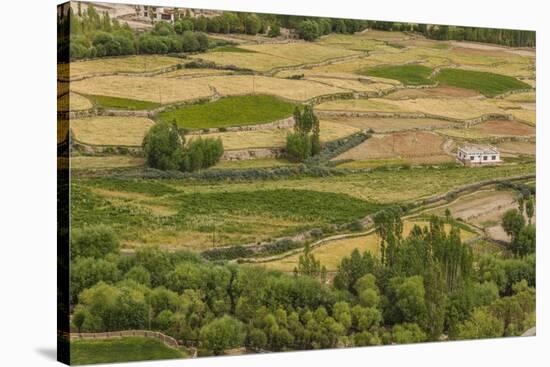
111 130
270 56
528 97
129 64
74 102
384 124
105 162
458 108
332 253
357 42
234 140
169 90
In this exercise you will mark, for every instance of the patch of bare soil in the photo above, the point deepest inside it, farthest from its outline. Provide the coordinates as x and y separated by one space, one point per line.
505 128
443 91
469 51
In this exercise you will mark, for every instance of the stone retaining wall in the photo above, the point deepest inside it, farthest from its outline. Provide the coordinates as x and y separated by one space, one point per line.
274 125
253 153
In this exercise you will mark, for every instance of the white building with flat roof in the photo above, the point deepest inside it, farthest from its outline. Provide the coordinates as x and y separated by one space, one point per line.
477 155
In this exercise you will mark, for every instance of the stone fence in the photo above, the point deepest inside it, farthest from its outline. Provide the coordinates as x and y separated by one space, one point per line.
252 153
167 340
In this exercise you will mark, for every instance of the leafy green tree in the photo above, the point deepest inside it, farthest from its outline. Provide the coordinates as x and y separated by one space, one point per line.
530 208
93 241
513 222
140 275
221 334
408 333
252 24
274 30
481 325
308 30
308 265
298 146
163 146
525 243
87 271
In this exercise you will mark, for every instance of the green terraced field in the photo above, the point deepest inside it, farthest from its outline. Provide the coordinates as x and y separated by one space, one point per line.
488 84
230 111
411 74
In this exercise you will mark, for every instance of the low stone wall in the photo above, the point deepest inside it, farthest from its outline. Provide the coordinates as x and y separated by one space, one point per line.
253 153
413 115
274 125
167 340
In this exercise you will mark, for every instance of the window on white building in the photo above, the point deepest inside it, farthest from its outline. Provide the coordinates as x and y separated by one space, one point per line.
484 157
471 157
494 157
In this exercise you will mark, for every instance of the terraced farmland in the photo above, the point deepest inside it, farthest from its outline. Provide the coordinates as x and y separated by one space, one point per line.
107 130
128 64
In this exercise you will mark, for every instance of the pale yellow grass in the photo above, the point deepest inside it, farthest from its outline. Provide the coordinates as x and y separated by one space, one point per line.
111 130
235 140
297 90
385 124
525 115
528 97
130 64
270 56
153 89
354 85
169 90
458 108
73 102
354 42
105 162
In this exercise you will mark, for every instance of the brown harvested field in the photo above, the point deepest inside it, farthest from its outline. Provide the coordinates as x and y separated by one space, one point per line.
130 64
169 90
505 128
111 130
518 147
443 91
419 147
480 207
469 51
388 124
331 253
235 140
350 84
105 162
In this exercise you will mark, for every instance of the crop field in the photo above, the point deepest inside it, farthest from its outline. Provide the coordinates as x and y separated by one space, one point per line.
457 108
230 111
269 56
440 91
488 84
351 84
74 102
410 74
105 162
388 124
128 64
158 214
125 349
121 103
493 128
111 130
410 146
186 73
170 90
233 140
357 42
526 97
330 254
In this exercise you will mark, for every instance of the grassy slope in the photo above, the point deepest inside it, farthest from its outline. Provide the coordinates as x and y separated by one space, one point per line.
232 49
230 111
121 350
407 74
121 103
488 84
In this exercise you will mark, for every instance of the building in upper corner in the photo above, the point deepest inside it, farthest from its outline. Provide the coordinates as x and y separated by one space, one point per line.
478 155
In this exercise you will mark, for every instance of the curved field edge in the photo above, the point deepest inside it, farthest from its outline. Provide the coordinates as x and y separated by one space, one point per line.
125 349
229 112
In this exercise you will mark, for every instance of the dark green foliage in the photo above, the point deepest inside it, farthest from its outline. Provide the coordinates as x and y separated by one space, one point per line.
274 30
308 265
305 141
298 146
165 149
93 241
93 35
309 30
488 84
222 334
